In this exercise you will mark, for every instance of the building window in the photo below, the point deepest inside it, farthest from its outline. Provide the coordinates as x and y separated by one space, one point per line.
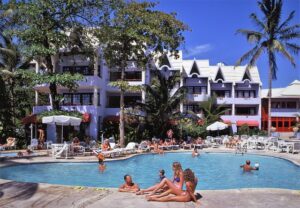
79 99
84 70
291 105
67 99
76 99
246 111
87 99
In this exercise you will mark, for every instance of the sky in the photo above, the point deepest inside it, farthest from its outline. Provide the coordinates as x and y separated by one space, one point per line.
213 25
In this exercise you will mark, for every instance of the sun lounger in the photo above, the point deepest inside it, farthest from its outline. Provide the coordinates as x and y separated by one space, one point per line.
295 148
10 144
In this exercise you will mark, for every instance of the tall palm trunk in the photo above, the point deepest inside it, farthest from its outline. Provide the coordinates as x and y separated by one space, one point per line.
270 93
122 122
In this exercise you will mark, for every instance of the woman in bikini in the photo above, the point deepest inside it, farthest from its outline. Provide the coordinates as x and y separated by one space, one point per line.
180 195
177 181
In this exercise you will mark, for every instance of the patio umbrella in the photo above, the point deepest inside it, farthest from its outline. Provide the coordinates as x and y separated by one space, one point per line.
62 120
216 126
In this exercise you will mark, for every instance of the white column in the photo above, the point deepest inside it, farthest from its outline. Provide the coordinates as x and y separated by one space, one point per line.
208 88
96 62
36 97
233 91
95 97
233 109
37 66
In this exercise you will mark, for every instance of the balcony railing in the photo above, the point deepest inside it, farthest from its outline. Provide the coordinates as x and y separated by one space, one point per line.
129 76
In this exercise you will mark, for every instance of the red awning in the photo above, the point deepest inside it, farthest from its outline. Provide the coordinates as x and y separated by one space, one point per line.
227 122
249 123
29 119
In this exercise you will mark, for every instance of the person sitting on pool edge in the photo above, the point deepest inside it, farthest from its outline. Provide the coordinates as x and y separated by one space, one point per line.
129 186
180 195
177 181
247 167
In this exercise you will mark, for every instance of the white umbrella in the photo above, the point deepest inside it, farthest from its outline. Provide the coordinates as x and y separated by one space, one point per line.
216 126
62 120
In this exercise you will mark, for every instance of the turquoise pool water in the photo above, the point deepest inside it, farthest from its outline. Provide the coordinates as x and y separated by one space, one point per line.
12 154
214 171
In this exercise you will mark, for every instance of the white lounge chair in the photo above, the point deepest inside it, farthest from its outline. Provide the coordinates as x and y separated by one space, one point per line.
295 148
130 148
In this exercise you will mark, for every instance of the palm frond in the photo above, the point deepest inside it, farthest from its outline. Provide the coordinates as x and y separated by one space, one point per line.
289 36
247 56
278 46
293 47
286 22
252 36
255 56
261 25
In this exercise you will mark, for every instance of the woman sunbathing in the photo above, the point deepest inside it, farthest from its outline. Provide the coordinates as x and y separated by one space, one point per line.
180 195
177 181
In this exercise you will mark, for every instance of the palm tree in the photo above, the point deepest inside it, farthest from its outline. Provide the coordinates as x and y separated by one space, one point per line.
162 101
212 112
272 37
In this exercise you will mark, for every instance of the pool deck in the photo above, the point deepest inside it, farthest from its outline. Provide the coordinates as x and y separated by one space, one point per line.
17 194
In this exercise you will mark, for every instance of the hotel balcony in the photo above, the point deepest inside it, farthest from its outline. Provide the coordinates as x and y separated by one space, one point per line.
197 97
285 112
93 110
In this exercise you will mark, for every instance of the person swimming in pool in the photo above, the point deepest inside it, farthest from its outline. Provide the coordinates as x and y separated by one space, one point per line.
101 159
180 195
195 153
177 181
247 167
129 186
161 174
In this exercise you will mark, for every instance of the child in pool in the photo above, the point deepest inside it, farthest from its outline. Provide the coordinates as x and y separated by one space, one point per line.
102 166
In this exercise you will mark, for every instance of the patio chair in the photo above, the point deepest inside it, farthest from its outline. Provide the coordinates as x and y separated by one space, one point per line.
295 148
130 148
34 143
143 146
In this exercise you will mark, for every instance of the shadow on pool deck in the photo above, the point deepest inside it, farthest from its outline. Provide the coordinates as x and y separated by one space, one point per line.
14 191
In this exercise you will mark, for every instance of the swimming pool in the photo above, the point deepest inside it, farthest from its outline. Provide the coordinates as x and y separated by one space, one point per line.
12 154
214 171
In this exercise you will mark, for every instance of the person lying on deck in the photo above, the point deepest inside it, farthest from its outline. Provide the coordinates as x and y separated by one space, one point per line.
178 195
129 186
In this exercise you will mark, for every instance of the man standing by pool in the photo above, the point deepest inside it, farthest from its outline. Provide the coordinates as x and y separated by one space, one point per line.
129 186
247 167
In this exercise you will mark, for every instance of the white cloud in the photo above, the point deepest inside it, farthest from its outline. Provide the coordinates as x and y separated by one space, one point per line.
199 49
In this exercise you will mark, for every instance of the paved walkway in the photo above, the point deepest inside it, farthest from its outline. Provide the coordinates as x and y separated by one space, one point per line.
17 194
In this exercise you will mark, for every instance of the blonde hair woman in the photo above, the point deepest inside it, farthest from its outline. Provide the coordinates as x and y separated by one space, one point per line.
177 180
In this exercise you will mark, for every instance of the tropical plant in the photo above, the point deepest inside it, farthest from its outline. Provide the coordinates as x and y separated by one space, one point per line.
211 111
273 36
44 27
163 98
136 32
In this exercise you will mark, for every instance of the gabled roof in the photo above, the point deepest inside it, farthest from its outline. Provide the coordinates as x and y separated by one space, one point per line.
219 75
165 61
194 69
291 91
247 75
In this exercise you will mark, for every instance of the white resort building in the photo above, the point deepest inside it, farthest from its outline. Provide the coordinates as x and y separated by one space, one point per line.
236 88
